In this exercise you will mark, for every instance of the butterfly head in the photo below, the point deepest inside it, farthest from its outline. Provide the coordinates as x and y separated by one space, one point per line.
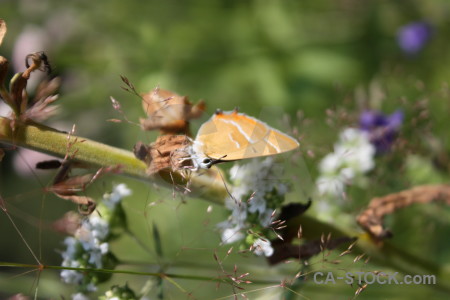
199 159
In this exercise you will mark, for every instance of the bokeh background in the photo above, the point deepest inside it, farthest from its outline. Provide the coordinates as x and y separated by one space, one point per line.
292 63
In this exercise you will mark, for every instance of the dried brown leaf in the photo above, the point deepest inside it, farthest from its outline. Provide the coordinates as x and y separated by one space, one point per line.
169 112
71 185
86 205
168 151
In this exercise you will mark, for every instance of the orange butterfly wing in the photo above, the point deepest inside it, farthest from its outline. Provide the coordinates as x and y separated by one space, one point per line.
238 136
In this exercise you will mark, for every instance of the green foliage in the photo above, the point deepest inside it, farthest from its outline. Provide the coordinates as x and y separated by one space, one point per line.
420 170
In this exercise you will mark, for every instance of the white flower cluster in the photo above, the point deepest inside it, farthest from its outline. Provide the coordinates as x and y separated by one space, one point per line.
109 295
262 247
119 191
353 156
253 185
88 245
117 292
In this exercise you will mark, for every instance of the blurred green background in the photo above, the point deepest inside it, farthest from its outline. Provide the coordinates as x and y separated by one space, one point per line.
268 58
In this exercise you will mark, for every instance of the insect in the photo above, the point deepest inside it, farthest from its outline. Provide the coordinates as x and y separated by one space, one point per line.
229 136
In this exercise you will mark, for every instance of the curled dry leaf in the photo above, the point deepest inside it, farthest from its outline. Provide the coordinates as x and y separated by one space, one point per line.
371 219
66 187
169 112
39 108
39 61
71 185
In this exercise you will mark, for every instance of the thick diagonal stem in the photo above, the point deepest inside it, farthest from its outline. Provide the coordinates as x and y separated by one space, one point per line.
45 139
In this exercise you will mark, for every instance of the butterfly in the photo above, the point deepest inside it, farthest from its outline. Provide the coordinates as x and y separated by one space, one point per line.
230 136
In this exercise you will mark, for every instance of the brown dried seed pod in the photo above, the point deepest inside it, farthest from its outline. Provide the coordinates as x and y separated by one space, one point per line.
169 112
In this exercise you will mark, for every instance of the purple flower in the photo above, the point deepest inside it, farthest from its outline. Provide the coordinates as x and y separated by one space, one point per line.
382 129
414 36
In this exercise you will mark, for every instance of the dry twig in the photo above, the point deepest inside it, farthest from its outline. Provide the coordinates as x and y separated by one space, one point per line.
372 218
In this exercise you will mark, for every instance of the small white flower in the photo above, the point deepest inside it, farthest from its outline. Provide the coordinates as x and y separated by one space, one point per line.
110 200
353 156
235 173
120 191
89 242
95 258
347 174
257 203
71 276
231 235
238 211
256 179
71 244
265 218
330 163
356 150
98 226
104 248
330 185
109 294
91 287
262 247
350 135
80 296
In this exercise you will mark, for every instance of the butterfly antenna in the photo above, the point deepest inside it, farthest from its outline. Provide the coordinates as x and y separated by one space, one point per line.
217 160
226 187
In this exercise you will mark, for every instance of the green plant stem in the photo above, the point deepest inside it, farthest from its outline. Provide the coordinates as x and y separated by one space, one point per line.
156 274
223 279
93 154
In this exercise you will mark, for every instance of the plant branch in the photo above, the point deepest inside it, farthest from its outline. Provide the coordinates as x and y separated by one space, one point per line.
93 154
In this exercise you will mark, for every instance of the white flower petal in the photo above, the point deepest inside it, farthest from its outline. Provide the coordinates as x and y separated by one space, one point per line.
80 296
231 235
263 247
